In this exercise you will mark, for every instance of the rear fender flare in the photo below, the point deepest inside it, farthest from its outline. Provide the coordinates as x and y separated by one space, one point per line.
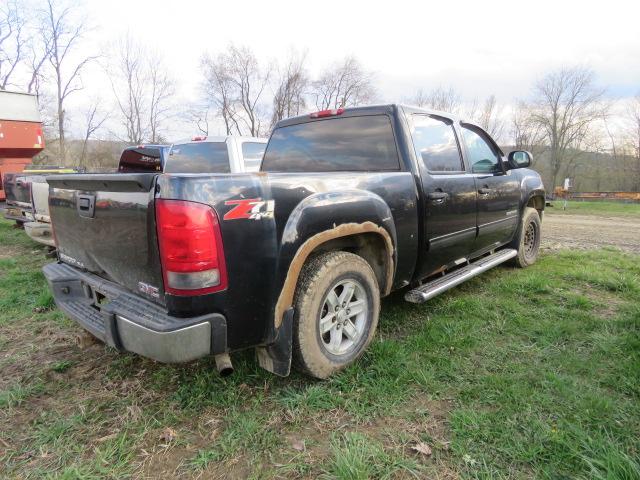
310 225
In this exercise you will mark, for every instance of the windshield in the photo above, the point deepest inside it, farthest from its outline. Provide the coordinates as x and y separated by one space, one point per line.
201 157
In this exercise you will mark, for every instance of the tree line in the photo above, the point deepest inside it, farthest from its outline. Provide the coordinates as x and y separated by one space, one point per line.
565 119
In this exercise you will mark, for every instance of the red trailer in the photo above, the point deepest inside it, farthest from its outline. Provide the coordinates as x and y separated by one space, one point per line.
20 133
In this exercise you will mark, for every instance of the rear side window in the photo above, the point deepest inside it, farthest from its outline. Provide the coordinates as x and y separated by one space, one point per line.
435 143
338 144
201 157
252 153
139 160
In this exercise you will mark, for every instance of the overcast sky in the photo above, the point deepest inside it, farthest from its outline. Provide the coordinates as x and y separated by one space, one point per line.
478 47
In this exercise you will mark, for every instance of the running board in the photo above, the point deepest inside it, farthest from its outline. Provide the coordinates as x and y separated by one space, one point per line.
442 284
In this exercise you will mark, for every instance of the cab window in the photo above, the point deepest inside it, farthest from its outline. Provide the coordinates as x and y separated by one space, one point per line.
341 144
198 157
482 156
436 145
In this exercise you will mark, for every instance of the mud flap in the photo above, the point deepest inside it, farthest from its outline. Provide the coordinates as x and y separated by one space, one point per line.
276 357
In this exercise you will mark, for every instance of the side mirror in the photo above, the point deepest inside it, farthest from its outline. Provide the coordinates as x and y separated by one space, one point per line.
519 159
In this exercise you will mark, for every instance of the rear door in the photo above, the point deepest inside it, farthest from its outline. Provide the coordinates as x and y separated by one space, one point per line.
449 200
498 190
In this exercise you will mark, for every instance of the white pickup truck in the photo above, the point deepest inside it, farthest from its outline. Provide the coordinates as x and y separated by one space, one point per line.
40 228
230 154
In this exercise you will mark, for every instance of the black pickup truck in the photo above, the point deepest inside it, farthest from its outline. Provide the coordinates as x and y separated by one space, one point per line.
349 206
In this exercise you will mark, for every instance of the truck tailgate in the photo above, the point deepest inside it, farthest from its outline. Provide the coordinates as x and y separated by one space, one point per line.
18 189
40 197
105 224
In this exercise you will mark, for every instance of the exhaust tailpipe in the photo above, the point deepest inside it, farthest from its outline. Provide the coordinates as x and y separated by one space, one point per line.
223 364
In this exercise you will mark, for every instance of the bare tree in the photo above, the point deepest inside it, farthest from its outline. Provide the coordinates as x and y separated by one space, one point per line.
526 133
249 81
219 90
94 120
13 41
38 54
439 98
128 80
143 90
161 90
633 136
289 99
566 104
62 32
343 84
22 53
235 83
489 118
199 114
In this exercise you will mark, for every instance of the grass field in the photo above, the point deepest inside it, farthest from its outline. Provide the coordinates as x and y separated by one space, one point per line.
517 374
619 209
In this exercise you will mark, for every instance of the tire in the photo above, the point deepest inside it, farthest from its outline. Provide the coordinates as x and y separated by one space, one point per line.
528 241
345 335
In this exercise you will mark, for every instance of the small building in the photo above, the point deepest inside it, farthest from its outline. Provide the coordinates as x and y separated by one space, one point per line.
21 135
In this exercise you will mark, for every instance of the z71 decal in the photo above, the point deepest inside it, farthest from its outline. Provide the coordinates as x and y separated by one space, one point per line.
252 208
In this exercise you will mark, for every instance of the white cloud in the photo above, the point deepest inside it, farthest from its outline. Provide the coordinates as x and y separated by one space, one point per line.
480 48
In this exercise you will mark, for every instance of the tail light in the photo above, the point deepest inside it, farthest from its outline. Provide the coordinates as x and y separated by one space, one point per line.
191 248
198 139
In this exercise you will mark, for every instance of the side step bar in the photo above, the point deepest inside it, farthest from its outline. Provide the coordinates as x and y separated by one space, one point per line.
442 284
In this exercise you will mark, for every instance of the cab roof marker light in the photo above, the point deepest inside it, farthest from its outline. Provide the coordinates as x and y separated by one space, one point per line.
327 113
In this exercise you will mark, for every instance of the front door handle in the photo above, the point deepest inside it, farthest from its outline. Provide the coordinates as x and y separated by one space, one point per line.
438 197
485 191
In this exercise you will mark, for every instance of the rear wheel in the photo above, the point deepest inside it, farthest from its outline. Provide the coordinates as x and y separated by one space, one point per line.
337 307
528 243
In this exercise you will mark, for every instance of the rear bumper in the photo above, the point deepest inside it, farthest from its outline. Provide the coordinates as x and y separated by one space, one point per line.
18 214
131 323
40 232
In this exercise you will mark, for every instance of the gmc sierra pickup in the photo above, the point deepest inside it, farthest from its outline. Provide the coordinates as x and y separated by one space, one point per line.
349 205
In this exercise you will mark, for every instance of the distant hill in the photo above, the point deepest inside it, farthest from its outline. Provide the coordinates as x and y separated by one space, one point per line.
100 155
591 171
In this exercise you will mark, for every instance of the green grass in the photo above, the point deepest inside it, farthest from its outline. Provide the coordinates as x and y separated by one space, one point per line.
357 457
594 208
529 373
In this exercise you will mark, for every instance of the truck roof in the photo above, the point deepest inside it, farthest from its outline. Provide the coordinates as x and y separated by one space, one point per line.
366 110
376 110
221 138
18 106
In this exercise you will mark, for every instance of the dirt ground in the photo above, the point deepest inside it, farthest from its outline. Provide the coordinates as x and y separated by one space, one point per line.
590 231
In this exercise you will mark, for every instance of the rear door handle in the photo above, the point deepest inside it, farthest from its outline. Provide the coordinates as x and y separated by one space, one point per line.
438 197
485 191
